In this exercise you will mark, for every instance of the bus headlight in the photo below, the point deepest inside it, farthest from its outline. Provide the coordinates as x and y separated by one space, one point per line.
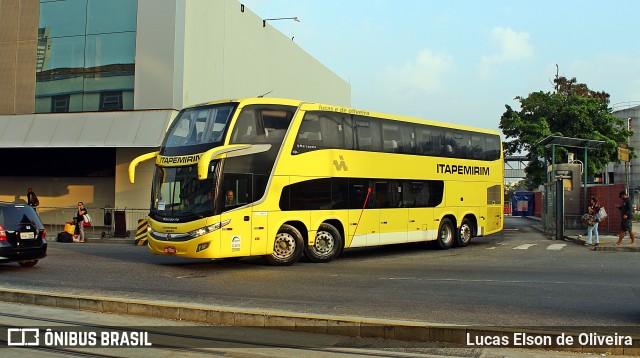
208 229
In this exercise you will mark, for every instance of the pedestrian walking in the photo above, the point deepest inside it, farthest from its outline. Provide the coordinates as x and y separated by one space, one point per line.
626 225
592 230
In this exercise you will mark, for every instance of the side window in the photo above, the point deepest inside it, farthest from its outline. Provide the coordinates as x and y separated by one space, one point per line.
381 194
307 195
422 194
493 147
339 193
430 141
367 134
478 149
391 138
262 124
309 135
457 144
358 189
408 139
237 191
324 130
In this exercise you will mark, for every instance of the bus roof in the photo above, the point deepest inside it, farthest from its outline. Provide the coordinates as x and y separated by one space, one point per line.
314 106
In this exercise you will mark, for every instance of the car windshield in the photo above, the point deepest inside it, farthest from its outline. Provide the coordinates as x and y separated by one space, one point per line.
199 125
177 191
12 216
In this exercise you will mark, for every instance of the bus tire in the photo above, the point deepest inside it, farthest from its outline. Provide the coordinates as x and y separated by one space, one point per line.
287 247
446 234
465 233
327 244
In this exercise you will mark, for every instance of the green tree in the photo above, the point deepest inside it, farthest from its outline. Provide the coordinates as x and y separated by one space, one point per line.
570 110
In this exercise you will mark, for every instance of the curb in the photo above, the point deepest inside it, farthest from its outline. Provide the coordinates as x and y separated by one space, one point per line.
581 242
288 321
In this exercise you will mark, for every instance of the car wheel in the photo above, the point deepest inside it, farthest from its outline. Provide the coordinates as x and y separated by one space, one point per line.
29 263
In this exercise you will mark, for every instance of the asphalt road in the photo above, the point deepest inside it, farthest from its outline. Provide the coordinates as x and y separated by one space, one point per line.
517 277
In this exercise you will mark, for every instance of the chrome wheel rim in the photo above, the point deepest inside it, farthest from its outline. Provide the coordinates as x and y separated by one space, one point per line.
446 235
465 233
324 243
284 246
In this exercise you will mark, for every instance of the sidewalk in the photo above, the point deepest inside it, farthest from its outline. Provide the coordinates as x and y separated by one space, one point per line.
607 241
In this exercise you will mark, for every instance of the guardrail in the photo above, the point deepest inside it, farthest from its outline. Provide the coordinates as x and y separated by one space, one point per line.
105 221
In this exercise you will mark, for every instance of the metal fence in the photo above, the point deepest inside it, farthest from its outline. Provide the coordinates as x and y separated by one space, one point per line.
105 221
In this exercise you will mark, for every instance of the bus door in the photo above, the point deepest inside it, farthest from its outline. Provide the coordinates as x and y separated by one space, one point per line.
393 217
364 225
235 238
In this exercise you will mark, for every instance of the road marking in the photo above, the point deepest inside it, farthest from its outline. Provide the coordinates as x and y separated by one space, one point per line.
556 246
492 248
524 247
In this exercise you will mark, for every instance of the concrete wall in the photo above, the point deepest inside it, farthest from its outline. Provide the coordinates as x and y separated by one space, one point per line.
189 52
61 192
137 195
18 43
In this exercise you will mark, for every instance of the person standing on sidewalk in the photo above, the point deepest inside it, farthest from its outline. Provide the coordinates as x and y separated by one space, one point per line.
592 230
79 219
626 225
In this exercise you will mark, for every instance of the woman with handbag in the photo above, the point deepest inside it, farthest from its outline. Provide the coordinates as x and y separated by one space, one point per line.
592 230
80 221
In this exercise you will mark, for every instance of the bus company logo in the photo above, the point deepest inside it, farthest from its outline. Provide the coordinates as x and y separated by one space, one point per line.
341 165
180 160
461 169
23 337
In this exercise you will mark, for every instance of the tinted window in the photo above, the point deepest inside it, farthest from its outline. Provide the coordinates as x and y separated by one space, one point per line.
307 195
342 193
367 134
13 215
262 124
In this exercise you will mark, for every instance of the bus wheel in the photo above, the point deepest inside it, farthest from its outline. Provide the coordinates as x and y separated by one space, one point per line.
465 233
287 248
446 234
326 246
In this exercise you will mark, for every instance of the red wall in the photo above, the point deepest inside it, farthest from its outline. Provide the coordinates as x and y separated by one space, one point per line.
608 198
537 204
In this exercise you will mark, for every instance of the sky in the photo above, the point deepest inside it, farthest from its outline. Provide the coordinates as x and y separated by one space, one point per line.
462 61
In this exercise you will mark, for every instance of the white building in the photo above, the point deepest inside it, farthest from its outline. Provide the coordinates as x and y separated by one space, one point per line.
88 85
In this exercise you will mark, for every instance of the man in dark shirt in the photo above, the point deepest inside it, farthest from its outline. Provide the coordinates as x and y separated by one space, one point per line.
626 210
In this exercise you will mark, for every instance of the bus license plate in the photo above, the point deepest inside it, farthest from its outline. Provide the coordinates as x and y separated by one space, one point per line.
170 250
27 236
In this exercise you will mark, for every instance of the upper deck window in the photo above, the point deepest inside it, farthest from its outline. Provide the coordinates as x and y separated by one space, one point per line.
262 124
199 125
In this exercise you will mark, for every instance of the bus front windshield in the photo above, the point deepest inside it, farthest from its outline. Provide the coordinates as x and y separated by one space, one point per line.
177 191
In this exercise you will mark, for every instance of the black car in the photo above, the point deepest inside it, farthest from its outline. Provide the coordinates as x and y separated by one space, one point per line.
22 235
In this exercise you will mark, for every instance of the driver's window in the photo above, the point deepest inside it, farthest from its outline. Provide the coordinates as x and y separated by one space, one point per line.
237 190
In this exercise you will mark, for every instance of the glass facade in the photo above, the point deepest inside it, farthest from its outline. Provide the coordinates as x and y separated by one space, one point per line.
86 55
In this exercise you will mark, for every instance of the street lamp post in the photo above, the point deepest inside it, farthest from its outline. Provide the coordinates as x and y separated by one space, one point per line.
264 22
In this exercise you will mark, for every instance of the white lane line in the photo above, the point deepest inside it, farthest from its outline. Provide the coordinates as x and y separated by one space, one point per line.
556 246
524 247
492 248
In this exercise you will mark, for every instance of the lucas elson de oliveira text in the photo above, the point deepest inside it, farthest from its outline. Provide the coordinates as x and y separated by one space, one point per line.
539 340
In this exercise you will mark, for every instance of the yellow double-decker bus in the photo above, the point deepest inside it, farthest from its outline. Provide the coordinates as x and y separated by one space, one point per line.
284 178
